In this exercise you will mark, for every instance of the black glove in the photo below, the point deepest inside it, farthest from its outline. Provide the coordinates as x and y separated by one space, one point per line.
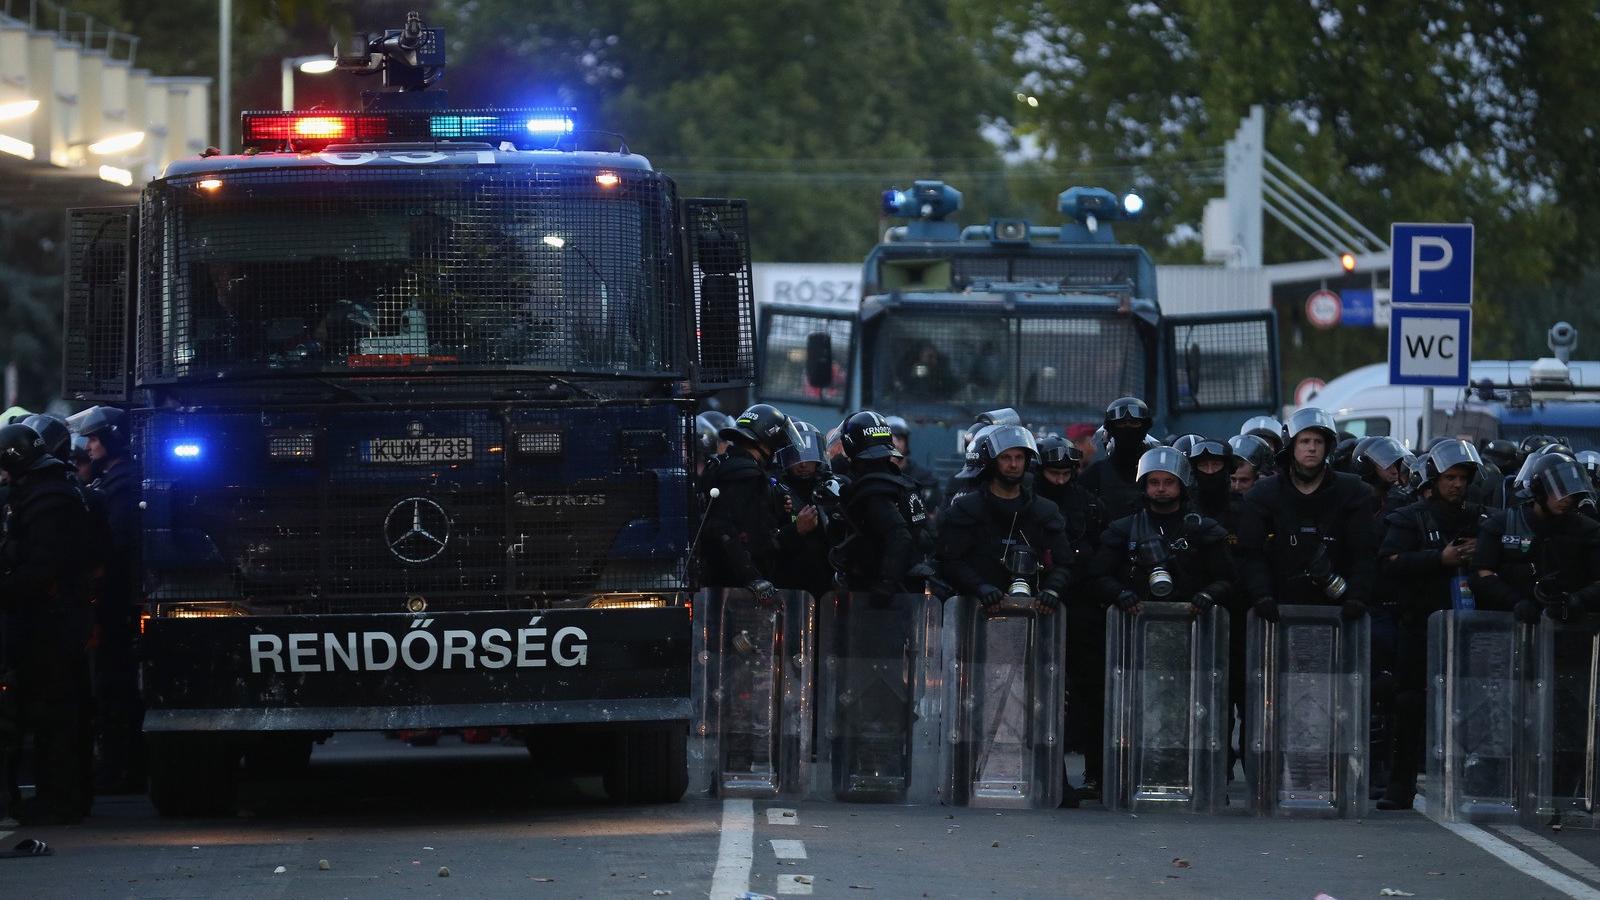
1526 612
1127 600
1050 600
990 596
1202 601
763 592
1266 609
1352 610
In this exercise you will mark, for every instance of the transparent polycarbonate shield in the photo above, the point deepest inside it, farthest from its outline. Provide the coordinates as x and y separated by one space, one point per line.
1564 724
1004 701
1167 716
1308 699
752 694
878 731
1480 667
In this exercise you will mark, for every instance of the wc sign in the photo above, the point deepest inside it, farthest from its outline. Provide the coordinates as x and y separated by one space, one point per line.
1430 329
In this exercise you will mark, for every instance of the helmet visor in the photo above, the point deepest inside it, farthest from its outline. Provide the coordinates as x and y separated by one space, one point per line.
1011 437
1565 479
1450 454
1386 451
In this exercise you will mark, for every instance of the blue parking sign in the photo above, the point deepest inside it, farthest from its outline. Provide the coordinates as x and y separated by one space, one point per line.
1430 263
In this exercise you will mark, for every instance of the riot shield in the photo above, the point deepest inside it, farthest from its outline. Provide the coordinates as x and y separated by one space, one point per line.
1480 666
1004 696
752 694
1167 716
1308 713
1564 723
878 731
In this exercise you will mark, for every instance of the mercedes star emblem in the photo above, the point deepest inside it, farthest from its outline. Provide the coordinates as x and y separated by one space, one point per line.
416 529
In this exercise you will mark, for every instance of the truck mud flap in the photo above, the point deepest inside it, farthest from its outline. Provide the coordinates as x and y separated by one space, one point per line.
422 670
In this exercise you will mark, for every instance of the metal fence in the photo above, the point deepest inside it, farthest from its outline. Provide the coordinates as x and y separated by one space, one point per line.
383 267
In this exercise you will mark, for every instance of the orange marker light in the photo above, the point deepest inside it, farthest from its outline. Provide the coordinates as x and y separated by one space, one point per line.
1348 261
607 179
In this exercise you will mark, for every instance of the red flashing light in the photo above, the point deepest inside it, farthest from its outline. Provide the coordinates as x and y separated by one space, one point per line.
395 360
310 131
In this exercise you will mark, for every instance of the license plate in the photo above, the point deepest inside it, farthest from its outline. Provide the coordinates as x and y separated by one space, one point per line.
417 451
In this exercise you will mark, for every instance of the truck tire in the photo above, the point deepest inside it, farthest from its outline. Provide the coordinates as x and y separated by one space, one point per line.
650 765
192 774
278 755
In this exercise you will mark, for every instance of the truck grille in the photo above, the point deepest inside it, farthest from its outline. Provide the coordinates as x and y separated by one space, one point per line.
501 530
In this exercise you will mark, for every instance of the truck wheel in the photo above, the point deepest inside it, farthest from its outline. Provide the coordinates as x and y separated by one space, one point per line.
650 765
192 774
277 755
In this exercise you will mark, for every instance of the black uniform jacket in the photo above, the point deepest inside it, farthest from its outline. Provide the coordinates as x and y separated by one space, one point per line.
1280 528
1524 549
886 532
1198 558
1414 574
740 540
43 572
978 530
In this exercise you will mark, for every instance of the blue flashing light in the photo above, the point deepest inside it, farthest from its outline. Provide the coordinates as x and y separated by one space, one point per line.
550 125
186 450
932 200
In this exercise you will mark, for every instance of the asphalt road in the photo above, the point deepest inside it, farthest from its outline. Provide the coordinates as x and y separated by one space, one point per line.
389 818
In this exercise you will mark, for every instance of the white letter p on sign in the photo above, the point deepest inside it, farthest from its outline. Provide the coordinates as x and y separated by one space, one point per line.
1420 265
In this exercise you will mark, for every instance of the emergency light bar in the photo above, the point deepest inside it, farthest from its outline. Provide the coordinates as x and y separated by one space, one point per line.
311 130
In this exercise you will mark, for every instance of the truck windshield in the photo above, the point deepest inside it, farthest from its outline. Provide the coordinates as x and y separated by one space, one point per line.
976 361
352 269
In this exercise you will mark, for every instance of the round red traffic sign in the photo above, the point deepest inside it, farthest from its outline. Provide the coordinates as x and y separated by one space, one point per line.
1324 309
1307 390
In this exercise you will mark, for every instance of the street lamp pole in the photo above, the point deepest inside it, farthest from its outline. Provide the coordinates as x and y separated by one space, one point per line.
224 72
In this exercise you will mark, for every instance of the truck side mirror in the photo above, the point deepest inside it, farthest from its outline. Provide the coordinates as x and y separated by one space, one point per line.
819 360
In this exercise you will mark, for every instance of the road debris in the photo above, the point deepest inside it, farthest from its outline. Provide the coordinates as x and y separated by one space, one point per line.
280 870
324 865
1395 892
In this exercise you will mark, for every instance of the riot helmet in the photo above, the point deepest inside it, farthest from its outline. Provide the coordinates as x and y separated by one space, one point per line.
762 425
1164 459
866 435
1590 461
1502 453
707 434
1534 442
1380 453
1343 452
1449 454
1183 442
1206 448
1268 429
1003 416
1056 453
898 426
106 423
1554 476
1001 438
1249 448
55 432
1128 413
22 450
1525 473
805 445
1312 419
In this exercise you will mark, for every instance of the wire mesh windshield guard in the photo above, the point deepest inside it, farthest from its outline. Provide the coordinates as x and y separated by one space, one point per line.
384 267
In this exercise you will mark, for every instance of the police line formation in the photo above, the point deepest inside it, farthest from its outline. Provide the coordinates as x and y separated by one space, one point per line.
1327 611
1124 588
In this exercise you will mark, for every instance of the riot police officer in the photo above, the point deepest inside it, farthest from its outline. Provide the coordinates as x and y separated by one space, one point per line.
1164 551
1253 462
927 482
1306 535
1542 556
1003 533
114 496
1381 463
741 523
1211 464
1058 482
885 548
1270 431
709 442
44 590
1114 479
803 540
1427 553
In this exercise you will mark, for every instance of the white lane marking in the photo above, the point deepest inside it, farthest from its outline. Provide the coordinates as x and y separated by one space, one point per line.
794 884
1553 851
1522 861
782 817
789 849
732 876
